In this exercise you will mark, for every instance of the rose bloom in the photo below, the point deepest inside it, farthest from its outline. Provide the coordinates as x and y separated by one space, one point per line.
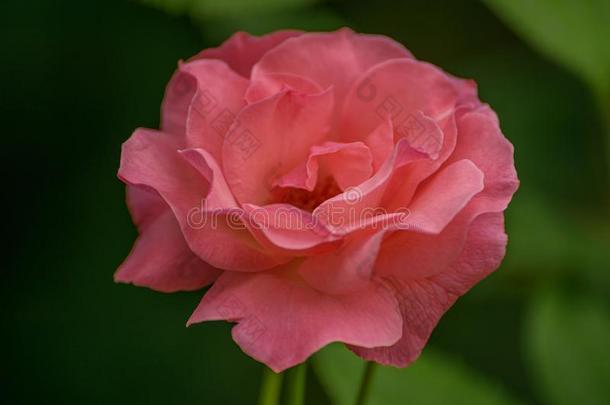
329 186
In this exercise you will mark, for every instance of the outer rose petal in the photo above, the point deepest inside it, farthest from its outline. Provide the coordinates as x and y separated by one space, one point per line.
151 159
175 105
481 141
418 255
200 99
243 50
284 128
282 321
145 205
329 59
161 260
407 254
219 97
424 300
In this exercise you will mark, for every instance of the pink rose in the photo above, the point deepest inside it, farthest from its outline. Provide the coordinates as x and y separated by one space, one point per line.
329 185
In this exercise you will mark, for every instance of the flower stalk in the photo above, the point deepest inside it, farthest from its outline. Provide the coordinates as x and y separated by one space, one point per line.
295 388
271 388
365 383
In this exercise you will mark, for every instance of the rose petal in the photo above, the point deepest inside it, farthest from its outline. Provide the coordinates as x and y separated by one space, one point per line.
407 254
242 50
197 98
151 159
381 142
281 321
424 300
348 163
407 179
345 270
402 90
161 260
219 196
288 229
271 137
481 141
444 196
267 85
145 205
347 211
329 59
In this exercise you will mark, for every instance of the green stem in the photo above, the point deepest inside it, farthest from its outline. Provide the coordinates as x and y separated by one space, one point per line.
270 389
295 389
365 383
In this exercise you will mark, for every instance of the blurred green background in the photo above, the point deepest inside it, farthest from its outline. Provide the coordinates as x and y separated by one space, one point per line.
76 79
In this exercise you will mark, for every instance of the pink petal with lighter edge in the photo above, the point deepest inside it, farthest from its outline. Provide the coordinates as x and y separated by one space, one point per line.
160 259
281 321
243 50
329 59
408 254
399 90
145 205
151 159
196 96
423 301
482 142
444 196
216 103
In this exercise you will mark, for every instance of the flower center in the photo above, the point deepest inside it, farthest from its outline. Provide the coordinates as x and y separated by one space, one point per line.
307 200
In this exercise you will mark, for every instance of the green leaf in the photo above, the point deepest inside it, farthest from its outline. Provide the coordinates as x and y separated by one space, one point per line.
433 379
574 246
567 344
574 33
